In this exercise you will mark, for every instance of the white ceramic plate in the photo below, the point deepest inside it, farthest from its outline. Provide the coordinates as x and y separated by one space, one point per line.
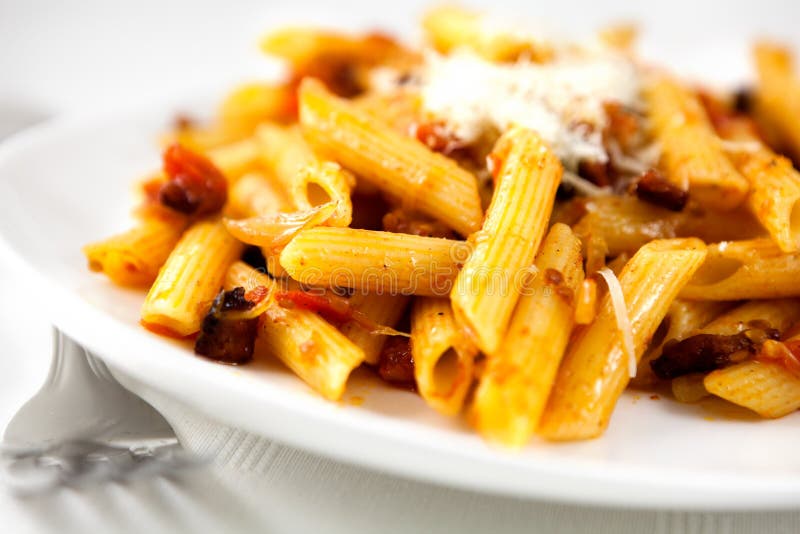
69 182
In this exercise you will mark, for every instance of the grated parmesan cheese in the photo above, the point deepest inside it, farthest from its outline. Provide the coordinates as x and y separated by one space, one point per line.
562 99
622 317
583 186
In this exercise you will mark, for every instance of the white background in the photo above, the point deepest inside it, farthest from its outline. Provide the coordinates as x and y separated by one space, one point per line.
60 57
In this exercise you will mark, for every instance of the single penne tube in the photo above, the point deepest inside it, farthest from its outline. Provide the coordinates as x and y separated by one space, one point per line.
249 105
778 96
624 224
767 388
374 261
450 27
384 310
190 279
306 343
235 159
283 151
402 166
691 153
595 369
714 226
133 258
443 357
253 195
487 288
306 180
202 138
323 182
750 269
780 314
774 184
684 317
516 383
689 388
621 36
301 47
401 110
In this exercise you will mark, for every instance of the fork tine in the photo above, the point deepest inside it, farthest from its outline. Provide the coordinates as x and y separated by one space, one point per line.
83 427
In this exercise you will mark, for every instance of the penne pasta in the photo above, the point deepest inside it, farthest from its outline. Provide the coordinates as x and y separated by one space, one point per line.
685 317
621 36
714 226
385 310
401 110
305 342
254 195
774 184
133 258
624 224
738 270
594 371
324 182
778 96
443 358
689 388
374 261
190 279
487 288
342 62
691 153
399 165
284 152
235 159
307 181
767 388
779 314
449 28
302 47
202 138
514 388
765 385
251 104
476 191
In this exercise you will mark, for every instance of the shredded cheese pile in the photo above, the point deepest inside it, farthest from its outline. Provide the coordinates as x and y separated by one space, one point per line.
561 99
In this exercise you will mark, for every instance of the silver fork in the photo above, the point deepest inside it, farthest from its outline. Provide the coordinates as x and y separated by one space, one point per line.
83 427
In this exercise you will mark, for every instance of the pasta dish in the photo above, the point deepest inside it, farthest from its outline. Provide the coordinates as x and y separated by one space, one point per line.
516 226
